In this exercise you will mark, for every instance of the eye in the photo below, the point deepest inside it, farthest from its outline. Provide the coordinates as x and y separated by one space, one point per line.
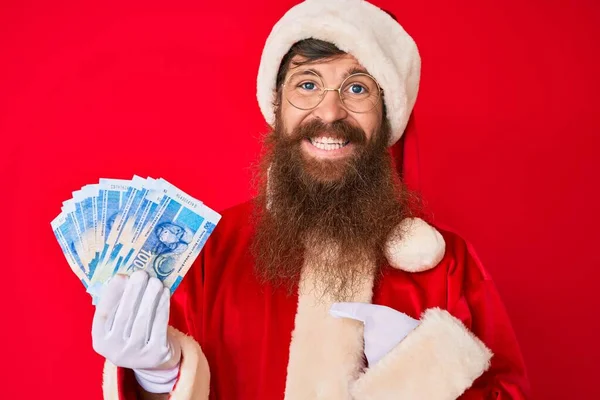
310 86
356 88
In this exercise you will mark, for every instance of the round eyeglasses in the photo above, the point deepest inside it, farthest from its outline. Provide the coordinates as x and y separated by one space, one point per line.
359 92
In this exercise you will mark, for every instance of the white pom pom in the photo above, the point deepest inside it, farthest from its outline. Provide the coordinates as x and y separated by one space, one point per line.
415 246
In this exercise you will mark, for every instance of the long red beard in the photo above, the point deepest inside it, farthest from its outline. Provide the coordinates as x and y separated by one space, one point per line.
349 206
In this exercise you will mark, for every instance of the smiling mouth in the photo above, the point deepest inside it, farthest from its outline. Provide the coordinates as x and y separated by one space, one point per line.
329 144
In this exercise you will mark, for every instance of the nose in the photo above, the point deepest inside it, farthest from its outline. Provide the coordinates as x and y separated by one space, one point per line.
331 108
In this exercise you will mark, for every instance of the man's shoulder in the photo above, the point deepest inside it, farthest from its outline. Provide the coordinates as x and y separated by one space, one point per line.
240 210
235 221
454 240
460 255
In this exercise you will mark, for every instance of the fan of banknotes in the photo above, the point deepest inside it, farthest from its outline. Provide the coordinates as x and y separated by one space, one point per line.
119 226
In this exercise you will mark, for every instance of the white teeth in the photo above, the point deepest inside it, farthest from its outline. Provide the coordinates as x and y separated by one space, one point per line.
327 143
328 140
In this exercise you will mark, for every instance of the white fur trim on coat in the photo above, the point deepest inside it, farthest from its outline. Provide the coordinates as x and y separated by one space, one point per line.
194 376
326 353
439 360
356 27
415 246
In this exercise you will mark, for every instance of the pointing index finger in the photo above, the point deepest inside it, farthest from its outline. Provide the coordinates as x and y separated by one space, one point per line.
354 311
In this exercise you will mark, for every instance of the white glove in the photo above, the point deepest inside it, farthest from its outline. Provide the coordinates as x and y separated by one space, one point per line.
384 326
130 330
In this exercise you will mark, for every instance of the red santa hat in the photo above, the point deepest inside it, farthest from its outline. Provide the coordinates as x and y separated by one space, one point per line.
356 27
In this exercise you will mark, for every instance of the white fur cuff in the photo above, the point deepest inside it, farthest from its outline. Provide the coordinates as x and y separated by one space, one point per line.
194 376
439 360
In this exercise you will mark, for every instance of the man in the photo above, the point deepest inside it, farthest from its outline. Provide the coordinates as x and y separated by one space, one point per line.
326 286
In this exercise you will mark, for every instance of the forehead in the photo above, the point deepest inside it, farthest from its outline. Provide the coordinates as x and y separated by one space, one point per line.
334 69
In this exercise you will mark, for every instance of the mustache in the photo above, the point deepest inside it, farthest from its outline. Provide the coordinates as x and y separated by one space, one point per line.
337 130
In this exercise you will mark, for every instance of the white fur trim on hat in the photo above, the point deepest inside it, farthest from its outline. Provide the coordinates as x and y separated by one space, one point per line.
415 246
356 27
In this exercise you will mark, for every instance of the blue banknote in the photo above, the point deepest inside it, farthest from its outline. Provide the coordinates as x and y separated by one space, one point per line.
94 192
75 225
146 210
78 197
111 195
119 206
171 238
67 238
144 207
120 226
85 211
121 230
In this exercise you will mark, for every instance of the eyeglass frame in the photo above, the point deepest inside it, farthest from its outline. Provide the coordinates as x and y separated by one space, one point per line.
339 90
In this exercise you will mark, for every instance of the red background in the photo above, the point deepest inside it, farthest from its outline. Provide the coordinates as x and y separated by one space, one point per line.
507 127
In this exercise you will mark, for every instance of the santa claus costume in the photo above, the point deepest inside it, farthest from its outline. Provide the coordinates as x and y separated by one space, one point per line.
244 339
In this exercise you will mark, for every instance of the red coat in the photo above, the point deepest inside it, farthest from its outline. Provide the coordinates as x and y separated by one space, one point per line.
244 329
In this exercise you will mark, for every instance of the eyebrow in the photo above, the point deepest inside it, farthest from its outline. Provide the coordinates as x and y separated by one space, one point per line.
355 70
352 70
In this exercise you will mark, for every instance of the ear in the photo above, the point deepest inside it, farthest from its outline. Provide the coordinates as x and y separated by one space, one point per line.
277 96
415 246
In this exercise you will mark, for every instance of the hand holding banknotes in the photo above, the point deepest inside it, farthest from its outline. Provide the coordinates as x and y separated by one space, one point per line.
130 243
130 330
